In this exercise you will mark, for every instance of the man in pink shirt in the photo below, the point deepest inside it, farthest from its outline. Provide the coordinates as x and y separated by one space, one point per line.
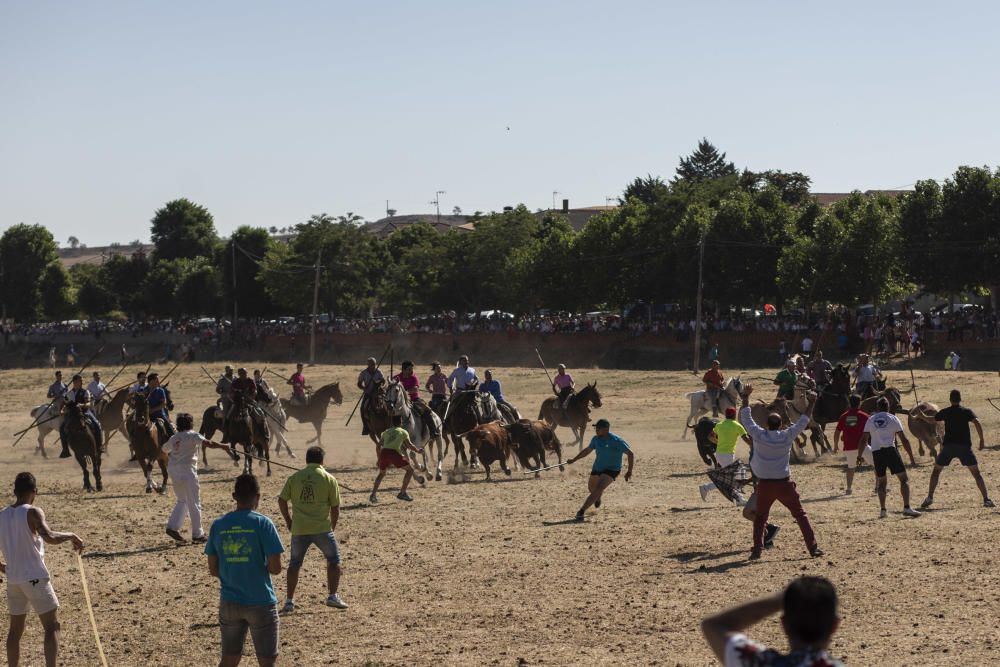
298 382
563 385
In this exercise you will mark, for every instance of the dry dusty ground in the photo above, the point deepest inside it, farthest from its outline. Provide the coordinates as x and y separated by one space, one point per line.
477 573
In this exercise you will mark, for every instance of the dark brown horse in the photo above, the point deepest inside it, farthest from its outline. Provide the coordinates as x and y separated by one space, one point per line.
314 411
463 413
377 413
251 432
145 439
112 415
83 445
833 399
576 416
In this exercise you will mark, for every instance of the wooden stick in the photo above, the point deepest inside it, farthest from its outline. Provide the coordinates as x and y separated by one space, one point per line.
348 422
90 610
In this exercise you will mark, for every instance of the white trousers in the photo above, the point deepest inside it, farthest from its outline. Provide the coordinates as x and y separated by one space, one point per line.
724 460
188 493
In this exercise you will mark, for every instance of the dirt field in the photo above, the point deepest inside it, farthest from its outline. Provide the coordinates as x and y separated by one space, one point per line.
477 573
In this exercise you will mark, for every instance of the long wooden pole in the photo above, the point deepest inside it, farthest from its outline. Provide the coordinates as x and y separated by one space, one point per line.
381 359
551 383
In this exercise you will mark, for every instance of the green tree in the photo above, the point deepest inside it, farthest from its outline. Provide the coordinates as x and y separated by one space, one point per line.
125 277
25 253
93 297
251 245
198 292
54 289
183 229
704 164
413 274
648 190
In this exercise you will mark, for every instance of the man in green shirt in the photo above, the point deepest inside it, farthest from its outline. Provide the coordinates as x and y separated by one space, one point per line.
786 380
725 435
392 446
315 498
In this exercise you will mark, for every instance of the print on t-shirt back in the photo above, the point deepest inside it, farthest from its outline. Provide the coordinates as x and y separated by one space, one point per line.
308 493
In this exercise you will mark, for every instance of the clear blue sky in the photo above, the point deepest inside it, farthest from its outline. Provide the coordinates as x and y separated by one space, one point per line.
268 112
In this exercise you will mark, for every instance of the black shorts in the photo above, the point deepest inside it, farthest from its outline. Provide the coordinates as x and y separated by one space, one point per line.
887 458
613 474
950 451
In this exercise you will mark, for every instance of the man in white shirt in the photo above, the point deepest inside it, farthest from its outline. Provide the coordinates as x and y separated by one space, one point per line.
182 468
463 377
880 434
771 449
97 389
955 361
140 383
807 345
23 532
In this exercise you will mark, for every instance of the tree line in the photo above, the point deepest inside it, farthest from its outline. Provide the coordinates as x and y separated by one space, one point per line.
766 239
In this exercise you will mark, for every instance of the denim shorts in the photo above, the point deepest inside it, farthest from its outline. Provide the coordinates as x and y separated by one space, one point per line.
262 622
325 542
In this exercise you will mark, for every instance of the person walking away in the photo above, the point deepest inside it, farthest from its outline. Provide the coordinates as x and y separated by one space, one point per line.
314 495
714 380
850 427
52 357
881 430
390 448
369 380
437 384
809 619
957 443
609 449
725 435
23 535
243 551
182 467
771 449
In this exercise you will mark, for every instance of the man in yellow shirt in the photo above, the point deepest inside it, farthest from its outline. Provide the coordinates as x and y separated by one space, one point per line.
315 498
725 435
392 445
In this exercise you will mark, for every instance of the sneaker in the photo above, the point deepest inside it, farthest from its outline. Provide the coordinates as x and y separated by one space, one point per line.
928 501
816 552
202 539
883 514
174 535
597 503
403 495
910 512
754 555
988 503
372 499
335 601
769 535
704 493
579 516
288 608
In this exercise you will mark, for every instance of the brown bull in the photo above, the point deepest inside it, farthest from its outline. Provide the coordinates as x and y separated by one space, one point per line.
490 442
925 432
530 439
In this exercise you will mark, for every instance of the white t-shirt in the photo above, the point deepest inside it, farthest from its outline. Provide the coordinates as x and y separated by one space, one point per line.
96 389
807 344
183 450
883 428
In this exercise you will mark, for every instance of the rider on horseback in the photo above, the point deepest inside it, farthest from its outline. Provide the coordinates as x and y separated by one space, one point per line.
786 380
437 384
463 377
223 388
298 382
492 387
57 388
820 369
563 386
714 380
865 377
80 397
244 388
160 404
411 383
263 389
369 380
98 392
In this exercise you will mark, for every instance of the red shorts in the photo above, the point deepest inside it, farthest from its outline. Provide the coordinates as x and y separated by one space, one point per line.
390 458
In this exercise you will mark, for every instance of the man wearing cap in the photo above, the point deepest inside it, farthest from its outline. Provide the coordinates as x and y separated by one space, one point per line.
222 388
957 443
714 380
563 385
369 380
463 377
609 449
298 383
79 396
725 435
771 449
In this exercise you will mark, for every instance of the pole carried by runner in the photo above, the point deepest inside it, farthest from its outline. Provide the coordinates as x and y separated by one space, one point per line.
35 421
379 363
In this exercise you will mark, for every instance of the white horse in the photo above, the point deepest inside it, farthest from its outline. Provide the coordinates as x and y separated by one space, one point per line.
47 419
701 402
399 406
275 413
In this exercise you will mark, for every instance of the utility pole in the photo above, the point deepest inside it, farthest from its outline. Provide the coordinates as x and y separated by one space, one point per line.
554 193
312 330
437 204
236 310
697 316
608 200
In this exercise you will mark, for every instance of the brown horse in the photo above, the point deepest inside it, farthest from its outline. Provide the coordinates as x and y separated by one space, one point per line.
251 432
377 413
464 412
82 443
314 411
576 416
145 439
112 415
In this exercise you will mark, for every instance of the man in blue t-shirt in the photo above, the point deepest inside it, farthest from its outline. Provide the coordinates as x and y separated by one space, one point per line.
243 551
159 403
608 464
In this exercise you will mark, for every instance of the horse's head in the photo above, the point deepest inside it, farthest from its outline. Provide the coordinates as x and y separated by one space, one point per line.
140 406
335 394
591 394
73 415
840 379
396 397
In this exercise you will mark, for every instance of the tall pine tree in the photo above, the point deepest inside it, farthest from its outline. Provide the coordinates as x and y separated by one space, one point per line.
704 164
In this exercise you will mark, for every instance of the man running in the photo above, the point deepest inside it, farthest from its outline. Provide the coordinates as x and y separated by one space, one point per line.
725 435
714 380
771 450
23 531
298 383
243 551
850 427
808 609
369 380
607 464
957 443
880 433
314 495
391 448
182 467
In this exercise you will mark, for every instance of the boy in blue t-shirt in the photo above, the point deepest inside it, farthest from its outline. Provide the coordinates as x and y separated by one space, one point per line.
607 465
243 551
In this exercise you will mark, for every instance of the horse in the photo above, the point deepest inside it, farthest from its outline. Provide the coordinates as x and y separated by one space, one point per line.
314 410
797 407
279 419
47 418
247 431
83 444
112 416
145 438
577 412
833 399
400 405
376 413
466 410
701 402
